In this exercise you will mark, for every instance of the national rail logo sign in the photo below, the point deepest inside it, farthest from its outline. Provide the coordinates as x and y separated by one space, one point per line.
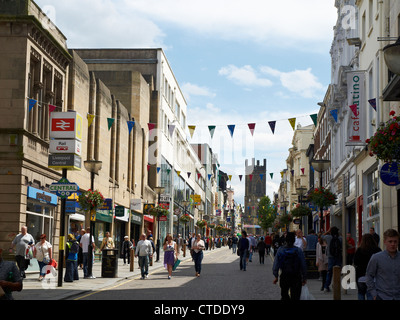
66 125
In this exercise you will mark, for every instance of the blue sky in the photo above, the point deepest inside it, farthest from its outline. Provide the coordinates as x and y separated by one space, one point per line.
236 62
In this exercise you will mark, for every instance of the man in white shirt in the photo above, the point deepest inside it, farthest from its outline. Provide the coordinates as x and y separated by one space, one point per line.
300 241
144 250
22 243
84 244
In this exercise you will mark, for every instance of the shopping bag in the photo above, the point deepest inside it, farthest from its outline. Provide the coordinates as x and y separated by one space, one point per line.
176 264
305 293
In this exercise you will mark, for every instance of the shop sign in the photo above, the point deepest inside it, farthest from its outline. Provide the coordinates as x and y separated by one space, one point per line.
64 161
42 196
65 146
390 174
119 211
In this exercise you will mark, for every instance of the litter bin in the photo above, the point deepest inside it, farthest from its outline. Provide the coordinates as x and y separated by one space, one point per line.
312 269
109 263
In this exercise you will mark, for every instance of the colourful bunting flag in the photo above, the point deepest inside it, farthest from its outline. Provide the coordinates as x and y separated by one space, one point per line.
148 167
272 126
302 170
179 173
261 176
334 114
292 122
252 126
209 176
240 177
314 118
231 128
130 125
251 177
171 128
90 118
32 103
272 175
151 126
198 176
211 129
230 177
188 174
110 122
372 102
51 108
158 169
191 130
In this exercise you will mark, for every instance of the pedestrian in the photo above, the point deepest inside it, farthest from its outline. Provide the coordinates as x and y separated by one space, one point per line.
80 255
321 260
198 247
23 244
234 243
107 243
362 256
86 241
290 260
253 245
243 248
375 235
268 242
300 240
312 240
72 250
126 250
43 254
334 245
276 243
382 275
170 252
350 249
261 249
10 278
144 251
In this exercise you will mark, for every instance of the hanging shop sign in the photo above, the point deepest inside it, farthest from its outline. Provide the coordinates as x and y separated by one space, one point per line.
63 188
390 174
65 161
65 146
66 125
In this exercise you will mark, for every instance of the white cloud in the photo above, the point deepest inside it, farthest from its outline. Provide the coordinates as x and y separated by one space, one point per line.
245 76
190 89
274 23
302 82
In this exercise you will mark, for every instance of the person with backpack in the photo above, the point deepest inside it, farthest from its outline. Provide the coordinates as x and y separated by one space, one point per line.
290 260
334 246
72 250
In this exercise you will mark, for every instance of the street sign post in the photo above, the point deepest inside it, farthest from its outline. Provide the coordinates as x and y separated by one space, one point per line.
63 188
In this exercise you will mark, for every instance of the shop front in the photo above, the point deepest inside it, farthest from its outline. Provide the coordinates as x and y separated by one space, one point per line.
40 217
136 224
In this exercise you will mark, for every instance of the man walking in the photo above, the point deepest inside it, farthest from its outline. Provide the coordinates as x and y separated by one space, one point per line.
144 250
22 243
290 260
383 275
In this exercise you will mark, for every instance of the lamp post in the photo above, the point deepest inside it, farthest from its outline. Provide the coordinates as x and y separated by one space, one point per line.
93 166
300 193
159 191
285 203
321 166
185 203
391 54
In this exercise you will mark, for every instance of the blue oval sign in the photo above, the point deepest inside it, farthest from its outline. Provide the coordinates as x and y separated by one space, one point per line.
390 174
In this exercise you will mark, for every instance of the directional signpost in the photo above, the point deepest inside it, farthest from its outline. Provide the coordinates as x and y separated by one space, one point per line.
65 149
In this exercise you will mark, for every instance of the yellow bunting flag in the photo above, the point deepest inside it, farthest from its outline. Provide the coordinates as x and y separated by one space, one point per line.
191 130
292 122
230 177
90 118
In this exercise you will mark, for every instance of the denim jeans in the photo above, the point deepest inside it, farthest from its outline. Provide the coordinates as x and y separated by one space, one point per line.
234 247
144 265
198 257
332 261
362 291
243 257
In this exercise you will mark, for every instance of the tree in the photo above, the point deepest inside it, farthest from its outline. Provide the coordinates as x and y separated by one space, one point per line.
266 213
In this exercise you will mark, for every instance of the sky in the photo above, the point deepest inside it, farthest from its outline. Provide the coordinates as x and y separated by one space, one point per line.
236 62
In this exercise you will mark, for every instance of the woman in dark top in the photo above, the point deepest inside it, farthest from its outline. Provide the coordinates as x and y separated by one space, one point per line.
362 256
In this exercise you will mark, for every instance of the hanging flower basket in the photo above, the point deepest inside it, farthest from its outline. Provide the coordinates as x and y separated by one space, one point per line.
211 225
285 219
201 223
185 218
322 197
385 143
158 211
90 200
301 211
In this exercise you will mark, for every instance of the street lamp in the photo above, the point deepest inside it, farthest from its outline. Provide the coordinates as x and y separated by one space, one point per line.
159 191
300 193
392 55
321 166
185 203
93 166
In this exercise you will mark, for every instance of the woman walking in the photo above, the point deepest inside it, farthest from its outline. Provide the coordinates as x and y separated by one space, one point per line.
362 256
170 250
322 260
198 247
43 253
